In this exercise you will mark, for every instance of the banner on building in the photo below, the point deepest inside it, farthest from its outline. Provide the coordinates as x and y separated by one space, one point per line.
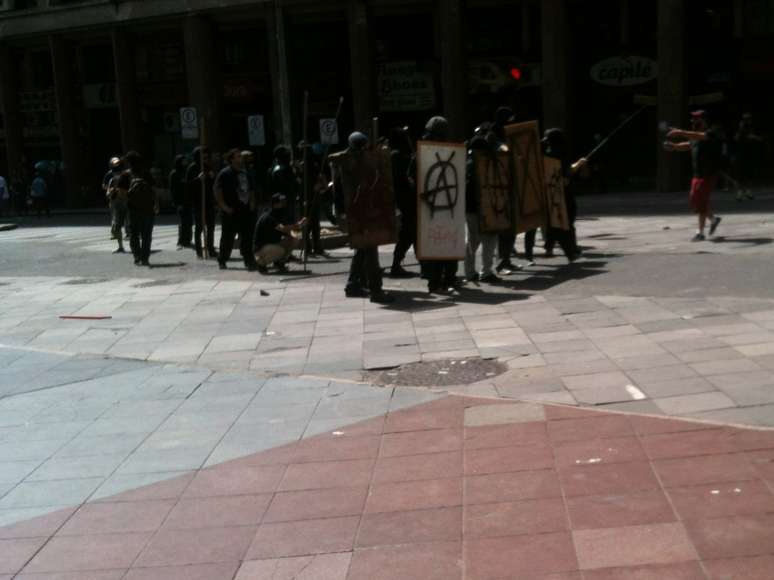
256 131
406 86
329 132
369 198
189 123
493 174
440 201
557 206
528 175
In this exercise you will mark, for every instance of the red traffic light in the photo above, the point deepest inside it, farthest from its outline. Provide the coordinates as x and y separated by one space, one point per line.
516 73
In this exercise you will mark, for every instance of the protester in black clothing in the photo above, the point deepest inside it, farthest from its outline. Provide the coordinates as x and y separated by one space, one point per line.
747 145
405 199
193 178
182 201
237 204
283 179
143 206
507 240
273 237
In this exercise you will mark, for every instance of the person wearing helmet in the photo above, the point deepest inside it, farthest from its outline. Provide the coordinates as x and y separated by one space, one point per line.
365 270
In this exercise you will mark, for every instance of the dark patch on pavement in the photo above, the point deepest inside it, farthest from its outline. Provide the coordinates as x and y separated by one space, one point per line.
442 373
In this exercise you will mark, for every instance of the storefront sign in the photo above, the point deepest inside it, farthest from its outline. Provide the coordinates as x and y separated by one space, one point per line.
625 71
406 86
102 96
256 131
189 123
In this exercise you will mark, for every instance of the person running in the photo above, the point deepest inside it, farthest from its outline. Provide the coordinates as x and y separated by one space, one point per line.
236 202
705 147
143 206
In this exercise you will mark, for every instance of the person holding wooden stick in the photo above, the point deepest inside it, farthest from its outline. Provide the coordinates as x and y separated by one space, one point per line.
204 214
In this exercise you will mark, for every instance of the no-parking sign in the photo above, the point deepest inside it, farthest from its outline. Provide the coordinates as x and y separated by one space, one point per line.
329 132
189 123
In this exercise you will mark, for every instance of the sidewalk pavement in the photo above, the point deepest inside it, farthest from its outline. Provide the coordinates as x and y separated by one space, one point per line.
455 488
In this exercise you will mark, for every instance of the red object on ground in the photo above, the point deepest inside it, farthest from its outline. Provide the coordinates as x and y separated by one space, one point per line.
85 317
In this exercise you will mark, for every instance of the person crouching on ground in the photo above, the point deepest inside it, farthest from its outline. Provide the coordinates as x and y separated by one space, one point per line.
274 240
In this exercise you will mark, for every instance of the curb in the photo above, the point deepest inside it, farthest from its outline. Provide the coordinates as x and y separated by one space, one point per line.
8 227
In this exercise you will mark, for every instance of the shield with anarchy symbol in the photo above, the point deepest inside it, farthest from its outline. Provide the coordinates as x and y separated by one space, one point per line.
440 201
528 175
557 206
493 173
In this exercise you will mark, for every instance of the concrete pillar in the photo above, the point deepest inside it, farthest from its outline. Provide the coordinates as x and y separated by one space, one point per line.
280 80
556 64
454 68
672 103
205 85
126 90
9 101
361 64
63 57
624 21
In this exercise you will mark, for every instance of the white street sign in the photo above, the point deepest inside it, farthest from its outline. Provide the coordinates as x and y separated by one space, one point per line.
256 130
189 123
329 132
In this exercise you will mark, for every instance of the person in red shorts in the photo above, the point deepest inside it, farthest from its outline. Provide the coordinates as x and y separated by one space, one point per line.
706 147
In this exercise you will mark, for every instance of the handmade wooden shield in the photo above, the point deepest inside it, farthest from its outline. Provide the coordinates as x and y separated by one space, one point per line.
440 201
369 198
493 172
527 159
557 206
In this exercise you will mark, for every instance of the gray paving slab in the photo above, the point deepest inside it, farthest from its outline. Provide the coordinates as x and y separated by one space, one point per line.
89 466
697 403
67 492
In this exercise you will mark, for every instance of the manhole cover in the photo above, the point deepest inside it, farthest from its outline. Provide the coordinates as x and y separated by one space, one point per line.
442 373
85 281
153 284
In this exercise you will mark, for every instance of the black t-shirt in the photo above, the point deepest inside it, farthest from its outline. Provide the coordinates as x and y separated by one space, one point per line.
707 155
266 231
194 185
228 182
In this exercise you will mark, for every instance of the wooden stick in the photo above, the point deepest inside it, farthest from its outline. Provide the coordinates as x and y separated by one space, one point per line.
205 228
305 137
606 140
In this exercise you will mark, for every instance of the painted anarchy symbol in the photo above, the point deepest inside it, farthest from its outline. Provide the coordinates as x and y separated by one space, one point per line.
439 183
496 182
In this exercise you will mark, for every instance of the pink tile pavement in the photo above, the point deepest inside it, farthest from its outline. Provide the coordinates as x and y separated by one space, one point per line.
417 495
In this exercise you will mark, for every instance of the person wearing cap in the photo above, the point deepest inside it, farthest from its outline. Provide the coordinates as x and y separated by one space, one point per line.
200 170
117 202
273 239
237 204
706 150
365 271
182 203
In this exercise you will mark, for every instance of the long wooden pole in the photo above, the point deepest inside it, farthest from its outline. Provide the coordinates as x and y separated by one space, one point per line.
305 143
205 228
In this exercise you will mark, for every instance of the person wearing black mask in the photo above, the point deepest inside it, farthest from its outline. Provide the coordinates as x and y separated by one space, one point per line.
405 198
507 240
204 213
182 201
273 239
555 145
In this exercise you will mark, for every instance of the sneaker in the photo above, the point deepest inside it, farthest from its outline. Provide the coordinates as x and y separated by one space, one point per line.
715 224
491 279
698 238
119 251
382 298
400 272
136 262
356 293
145 263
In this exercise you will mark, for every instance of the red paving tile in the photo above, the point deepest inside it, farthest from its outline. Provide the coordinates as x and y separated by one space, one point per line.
304 538
217 512
510 519
718 500
505 459
418 467
407 496
210 546
633 546
609 478
733 537
519 556
400 498
421 442
116 518
433 561
612 511
309 505
98 552
507 487
408 527
328 474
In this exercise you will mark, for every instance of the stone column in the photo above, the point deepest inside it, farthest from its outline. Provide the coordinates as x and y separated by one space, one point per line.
555 31
361 64
454 69
280 80
9 100
126 90
63 57
205 85
672 103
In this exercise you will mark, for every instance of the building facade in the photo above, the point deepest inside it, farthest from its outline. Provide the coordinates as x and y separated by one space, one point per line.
82 80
